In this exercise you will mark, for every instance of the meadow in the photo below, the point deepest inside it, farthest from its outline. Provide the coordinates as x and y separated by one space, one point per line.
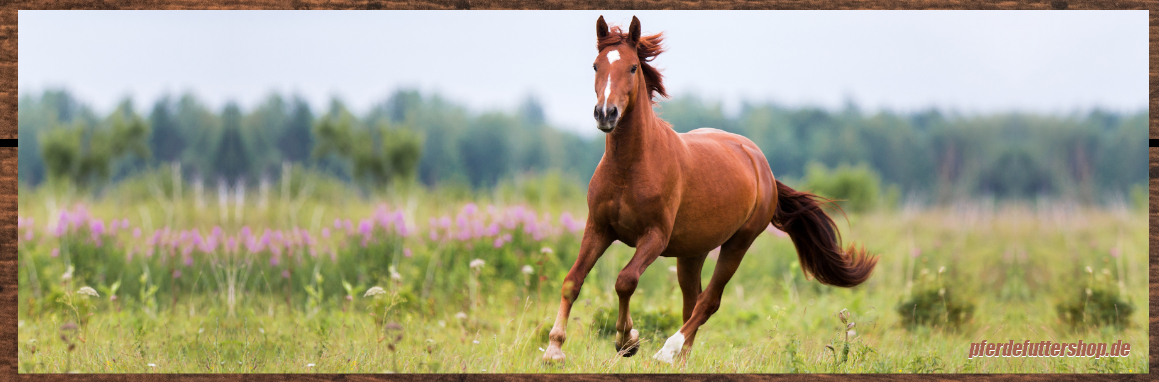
299 278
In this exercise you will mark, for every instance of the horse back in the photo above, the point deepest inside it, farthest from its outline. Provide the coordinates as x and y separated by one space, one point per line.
727 186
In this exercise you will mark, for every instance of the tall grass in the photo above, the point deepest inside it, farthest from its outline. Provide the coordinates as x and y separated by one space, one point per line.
282 288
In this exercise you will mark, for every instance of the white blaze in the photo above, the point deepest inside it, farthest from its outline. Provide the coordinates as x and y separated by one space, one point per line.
612 57
607 91
671 347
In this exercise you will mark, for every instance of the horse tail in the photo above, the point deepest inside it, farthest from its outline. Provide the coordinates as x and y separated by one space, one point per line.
818 243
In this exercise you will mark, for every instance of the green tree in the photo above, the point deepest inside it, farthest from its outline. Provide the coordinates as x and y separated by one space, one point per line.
263 130
486 149
689 113
37 115
232 157
83 154
377 155
167 141
296 141
203 129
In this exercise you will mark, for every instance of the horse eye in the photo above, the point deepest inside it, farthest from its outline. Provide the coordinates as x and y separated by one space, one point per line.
633 69
594 67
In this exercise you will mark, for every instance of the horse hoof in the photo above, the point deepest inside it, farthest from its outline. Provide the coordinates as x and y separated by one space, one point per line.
631 351
632 346
671 347
553 355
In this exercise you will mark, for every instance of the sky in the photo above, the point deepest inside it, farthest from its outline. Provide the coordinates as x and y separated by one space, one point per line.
901 61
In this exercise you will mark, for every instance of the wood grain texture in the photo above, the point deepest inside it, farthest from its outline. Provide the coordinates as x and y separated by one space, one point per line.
8 165
1153 228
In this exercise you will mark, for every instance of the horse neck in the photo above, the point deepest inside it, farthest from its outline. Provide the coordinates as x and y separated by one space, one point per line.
639 132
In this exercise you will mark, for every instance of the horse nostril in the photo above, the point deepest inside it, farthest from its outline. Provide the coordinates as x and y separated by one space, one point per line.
615 112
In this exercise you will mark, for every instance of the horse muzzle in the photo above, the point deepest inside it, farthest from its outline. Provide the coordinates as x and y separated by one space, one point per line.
606 120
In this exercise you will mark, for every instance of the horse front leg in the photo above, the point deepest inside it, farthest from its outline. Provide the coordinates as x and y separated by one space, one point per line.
648 248
595 241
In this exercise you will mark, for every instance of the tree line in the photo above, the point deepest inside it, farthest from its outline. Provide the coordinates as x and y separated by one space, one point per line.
932 154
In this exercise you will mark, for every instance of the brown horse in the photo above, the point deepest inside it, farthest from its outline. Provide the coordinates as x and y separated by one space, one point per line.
682 195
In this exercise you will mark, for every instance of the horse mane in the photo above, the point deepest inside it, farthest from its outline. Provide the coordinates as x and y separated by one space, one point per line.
646 50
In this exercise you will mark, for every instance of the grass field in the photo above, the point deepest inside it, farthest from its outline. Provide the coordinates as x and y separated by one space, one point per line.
282 288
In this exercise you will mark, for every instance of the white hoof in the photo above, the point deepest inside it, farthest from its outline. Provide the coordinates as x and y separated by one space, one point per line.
671 347
553 354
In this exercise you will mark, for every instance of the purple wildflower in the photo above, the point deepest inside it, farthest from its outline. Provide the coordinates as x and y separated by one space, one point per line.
365 226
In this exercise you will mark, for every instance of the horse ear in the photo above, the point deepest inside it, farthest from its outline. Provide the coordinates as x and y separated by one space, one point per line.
601 28
634 30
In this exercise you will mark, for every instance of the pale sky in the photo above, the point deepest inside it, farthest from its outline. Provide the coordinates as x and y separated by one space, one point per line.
964 61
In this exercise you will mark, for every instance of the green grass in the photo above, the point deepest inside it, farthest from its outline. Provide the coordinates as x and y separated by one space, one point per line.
1014 263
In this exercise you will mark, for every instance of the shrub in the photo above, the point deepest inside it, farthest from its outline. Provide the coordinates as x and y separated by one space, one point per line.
1095 303
933 303
857 188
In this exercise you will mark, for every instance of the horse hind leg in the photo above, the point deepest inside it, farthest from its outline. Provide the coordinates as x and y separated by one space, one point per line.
688 274
707 302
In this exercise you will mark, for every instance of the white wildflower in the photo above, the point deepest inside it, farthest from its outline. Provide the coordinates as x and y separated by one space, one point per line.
200 330
88 291
68 274
152 365
477 263
442 324
527 270
374 291
309 365
262 330
394 274
672 269
546 250
475 341
461 316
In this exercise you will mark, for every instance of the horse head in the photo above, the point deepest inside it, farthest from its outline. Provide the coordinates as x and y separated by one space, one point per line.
621 67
